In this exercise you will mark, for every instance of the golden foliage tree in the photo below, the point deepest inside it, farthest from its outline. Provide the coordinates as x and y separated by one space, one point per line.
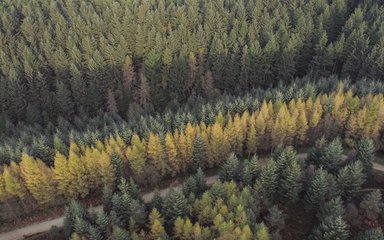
38 179
135 154
155 153
13 182
171 152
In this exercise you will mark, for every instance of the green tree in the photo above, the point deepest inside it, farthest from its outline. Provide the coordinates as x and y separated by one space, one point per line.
174 205
372 205
365 150
230 170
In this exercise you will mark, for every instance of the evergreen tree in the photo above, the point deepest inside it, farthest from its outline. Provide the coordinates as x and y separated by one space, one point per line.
365 154
230 170
198 154
269 179
174 205
372 205
351 178
370 234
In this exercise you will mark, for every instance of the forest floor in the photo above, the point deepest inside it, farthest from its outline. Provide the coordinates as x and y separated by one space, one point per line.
44 226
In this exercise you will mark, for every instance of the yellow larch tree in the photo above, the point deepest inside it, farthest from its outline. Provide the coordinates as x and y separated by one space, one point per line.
181 145
229 132
135 154
316 113
190 134
90 160
218 145
61 173
3 193
156 155
261 125
106 170
99 145
13 182
156 224
78 176
171 152
251 135
301 122
279 130
38 179
220 119
239 134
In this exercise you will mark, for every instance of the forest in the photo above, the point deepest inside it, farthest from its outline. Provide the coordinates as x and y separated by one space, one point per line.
82 58
280 102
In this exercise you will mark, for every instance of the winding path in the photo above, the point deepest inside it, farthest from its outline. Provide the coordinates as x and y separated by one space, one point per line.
34 229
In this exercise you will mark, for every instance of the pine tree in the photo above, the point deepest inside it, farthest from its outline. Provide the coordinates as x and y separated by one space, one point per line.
370 234
230 170
198 153
332 228
372 205
174 205
351 178
291 183
365 154
320 188
269 179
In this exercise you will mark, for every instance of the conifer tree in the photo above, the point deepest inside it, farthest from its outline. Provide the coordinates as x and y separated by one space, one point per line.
218 145
351 178
136 154
77 176
106 170
291 183
198 153
61 174
269 179
174 205
372 205
12 181
156 155
365 154
320 188
230 170
251 136
262 232
171 152
37 177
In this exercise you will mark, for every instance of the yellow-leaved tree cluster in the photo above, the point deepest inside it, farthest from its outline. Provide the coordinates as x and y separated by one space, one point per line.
297 122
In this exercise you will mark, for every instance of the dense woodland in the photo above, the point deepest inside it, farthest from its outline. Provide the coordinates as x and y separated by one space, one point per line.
110 97
251 201
79 58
